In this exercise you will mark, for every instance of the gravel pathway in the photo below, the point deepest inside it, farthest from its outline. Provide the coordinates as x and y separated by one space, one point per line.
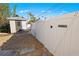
23 44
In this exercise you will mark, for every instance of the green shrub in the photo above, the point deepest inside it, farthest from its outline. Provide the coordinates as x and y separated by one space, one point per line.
5 28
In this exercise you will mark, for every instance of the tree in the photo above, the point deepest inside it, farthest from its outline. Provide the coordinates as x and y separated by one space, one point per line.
14 11
4 12
32 18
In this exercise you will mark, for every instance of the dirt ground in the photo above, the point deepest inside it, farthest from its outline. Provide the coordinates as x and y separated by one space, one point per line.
23 44
4 38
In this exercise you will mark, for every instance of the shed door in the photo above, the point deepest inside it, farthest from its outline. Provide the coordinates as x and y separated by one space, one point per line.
18 25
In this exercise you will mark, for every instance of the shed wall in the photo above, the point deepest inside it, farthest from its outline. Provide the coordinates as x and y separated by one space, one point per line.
12 26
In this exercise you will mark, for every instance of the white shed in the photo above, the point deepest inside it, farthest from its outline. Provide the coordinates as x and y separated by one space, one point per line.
17 23
60 34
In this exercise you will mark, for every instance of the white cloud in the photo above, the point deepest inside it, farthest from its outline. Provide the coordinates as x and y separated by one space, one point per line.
24 11
43 11
48 11
63 12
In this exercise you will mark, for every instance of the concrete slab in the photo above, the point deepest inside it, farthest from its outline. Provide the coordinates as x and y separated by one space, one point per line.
7 53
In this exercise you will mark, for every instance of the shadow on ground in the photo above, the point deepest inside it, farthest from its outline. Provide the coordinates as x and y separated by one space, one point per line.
23 44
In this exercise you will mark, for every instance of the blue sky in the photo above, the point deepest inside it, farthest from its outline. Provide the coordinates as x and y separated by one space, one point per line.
45 9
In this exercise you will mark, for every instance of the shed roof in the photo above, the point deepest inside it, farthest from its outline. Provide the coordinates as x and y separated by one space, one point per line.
16 18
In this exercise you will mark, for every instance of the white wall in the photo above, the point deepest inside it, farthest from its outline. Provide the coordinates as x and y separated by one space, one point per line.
58 40
12 26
